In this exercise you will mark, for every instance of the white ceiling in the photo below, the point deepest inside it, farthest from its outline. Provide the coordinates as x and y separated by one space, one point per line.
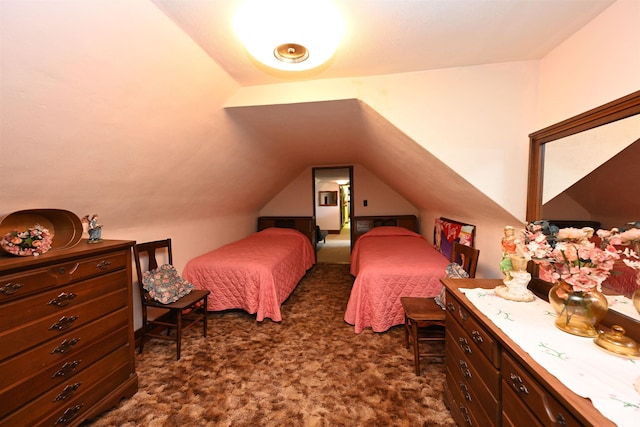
397 36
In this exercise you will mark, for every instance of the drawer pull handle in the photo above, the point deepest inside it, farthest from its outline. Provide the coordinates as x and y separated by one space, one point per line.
66 369
68 391
10 288
63 270
465 391
465 414
518 384
63 299
451 307
475 335
103 265
69 414
64 323
464 368
65 346
558 419
464 345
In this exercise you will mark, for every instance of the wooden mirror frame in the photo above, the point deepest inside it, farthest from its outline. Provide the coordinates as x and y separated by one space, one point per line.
619 109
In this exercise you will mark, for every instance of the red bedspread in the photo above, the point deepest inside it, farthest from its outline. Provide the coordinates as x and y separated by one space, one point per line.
255 274
389 263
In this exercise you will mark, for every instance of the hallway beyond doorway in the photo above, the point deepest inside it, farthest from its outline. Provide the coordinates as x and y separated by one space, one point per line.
337 247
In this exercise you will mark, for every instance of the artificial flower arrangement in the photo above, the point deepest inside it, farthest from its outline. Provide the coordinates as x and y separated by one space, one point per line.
568 255
571 260
33 241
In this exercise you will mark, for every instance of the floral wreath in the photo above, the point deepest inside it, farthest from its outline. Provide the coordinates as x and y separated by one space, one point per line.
33 241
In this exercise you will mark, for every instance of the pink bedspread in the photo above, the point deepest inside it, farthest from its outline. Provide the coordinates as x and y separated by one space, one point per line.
256 274
389 263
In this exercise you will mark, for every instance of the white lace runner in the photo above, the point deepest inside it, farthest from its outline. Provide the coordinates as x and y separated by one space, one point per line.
585 368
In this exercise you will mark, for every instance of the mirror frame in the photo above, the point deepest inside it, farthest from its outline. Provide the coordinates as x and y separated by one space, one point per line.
619 109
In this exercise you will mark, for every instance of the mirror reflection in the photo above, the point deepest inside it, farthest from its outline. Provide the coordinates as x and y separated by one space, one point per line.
594 175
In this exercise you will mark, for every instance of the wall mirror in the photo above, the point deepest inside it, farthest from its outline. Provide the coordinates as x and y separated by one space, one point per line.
589 163
327 198
586 168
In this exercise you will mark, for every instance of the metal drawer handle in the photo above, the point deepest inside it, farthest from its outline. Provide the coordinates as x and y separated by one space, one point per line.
557 419
475 335
66 369
10 288
464 345
103 265
518 384
69 414
465 414
65 270
65 346
451 307
465 391
464 368
68 391
64 323
63 299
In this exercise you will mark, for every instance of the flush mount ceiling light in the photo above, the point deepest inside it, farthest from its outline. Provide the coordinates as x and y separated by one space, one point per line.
291 35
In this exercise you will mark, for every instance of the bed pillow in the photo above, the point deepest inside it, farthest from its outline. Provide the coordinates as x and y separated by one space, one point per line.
454 271
165 285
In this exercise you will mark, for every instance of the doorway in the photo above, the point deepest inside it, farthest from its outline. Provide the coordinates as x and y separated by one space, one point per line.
335 218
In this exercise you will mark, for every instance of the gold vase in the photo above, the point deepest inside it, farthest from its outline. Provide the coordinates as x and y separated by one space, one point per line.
579 312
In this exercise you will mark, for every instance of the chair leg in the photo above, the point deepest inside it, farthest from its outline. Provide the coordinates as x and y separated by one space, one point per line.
416 346
204 317
406 331
179 335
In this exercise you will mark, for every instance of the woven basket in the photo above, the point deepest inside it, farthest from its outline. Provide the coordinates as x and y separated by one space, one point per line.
65 226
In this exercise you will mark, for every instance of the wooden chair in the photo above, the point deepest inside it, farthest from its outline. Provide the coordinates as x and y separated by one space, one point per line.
424 319
174 317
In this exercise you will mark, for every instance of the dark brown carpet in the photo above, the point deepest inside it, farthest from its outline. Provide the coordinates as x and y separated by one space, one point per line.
308 370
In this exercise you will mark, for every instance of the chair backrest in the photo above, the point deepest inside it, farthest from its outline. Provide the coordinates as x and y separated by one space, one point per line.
152 251
467 257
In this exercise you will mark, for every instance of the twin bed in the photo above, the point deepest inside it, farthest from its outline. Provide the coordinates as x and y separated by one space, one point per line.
258 273
391 260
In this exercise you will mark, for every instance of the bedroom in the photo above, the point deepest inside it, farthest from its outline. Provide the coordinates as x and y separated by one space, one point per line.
124 115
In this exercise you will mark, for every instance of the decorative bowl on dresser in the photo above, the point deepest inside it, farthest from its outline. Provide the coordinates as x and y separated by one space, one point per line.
492 381
66 327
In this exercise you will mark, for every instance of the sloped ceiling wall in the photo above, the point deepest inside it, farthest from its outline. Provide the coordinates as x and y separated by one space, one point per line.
109 108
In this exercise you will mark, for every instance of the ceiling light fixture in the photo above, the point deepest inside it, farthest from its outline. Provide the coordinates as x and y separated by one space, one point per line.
290 35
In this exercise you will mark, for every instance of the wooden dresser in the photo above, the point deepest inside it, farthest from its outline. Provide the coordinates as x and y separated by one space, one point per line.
66 328
491 381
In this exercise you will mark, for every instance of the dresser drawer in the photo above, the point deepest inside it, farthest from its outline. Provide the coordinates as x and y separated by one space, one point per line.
484 383
514 412
65 348
460 410
478 334
55 301
458 338
483 407
22 383
55 325
525 387
75 396
36 280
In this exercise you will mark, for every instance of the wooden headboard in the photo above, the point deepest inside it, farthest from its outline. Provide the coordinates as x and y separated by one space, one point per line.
304 224
362 224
